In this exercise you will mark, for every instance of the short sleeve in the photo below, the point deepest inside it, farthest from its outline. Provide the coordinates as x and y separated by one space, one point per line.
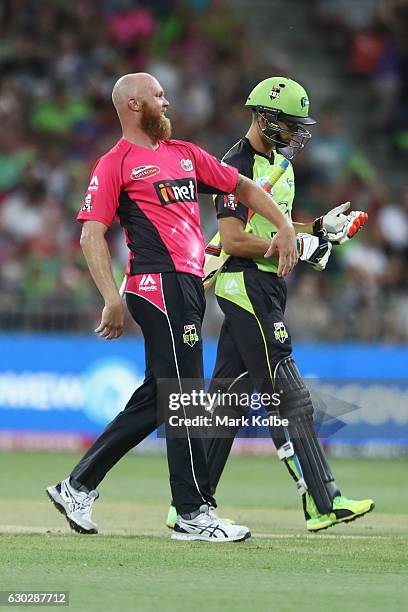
102 196
213 175
229 206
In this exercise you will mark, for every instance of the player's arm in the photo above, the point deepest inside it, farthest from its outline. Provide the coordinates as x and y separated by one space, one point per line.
260 202
97 214
236 241
304 228
96 252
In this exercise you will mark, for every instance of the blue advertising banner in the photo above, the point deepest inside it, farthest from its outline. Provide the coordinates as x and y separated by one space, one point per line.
60 391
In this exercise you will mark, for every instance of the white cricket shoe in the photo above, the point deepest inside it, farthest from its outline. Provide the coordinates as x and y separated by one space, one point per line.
75 505
207 526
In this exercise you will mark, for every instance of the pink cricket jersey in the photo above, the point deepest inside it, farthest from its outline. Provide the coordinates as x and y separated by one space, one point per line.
154 196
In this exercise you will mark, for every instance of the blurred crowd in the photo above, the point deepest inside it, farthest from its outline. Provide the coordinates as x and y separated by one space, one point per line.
363 294
58 63
371 36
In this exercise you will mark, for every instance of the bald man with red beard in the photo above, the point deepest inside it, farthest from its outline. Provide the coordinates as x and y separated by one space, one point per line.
150 183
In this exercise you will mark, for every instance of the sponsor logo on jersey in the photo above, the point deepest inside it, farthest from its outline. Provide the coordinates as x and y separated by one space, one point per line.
190 335
280 332
231 286
87 206
147 283
176 191
94 184
283 205
187 165
274 94
230 201
142 172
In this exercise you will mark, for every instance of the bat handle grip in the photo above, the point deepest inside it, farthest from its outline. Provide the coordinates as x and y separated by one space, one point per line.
123 286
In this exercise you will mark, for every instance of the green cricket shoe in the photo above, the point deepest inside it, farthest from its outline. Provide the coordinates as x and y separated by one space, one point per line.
314 520
347 510
344 511
320 522
172 517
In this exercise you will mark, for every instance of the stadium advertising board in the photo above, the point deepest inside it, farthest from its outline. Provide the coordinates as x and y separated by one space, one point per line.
59 392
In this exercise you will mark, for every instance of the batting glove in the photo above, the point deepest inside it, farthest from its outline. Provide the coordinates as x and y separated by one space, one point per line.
340 227
314 250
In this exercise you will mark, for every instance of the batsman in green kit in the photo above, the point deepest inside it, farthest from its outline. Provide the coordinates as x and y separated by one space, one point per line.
254 348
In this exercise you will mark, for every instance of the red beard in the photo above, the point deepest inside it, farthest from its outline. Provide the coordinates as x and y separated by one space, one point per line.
157 127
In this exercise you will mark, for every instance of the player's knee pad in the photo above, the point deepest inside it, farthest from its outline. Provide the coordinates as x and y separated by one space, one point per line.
302 451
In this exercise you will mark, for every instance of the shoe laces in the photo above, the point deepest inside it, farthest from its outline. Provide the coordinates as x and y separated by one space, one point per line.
79 500
85 505
340 500
209 511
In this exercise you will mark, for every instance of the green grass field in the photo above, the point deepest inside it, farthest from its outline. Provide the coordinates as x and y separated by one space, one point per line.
133 565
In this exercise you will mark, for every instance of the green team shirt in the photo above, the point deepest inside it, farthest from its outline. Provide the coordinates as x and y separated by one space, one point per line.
257 167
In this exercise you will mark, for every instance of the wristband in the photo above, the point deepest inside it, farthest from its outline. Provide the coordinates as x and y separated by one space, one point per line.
317 226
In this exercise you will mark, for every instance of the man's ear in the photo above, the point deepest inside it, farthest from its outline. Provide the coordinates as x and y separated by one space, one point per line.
134 104
261 120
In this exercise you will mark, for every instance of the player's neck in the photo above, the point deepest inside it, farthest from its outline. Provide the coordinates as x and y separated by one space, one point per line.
257 142
139 137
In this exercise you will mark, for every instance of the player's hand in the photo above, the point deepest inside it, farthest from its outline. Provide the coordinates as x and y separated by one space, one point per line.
112 321
285 243
314 250
339 226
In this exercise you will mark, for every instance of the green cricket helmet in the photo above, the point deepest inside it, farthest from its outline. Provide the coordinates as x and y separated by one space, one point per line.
282 99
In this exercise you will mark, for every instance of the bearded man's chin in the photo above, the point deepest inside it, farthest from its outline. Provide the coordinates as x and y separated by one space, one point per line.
166 128
158 128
